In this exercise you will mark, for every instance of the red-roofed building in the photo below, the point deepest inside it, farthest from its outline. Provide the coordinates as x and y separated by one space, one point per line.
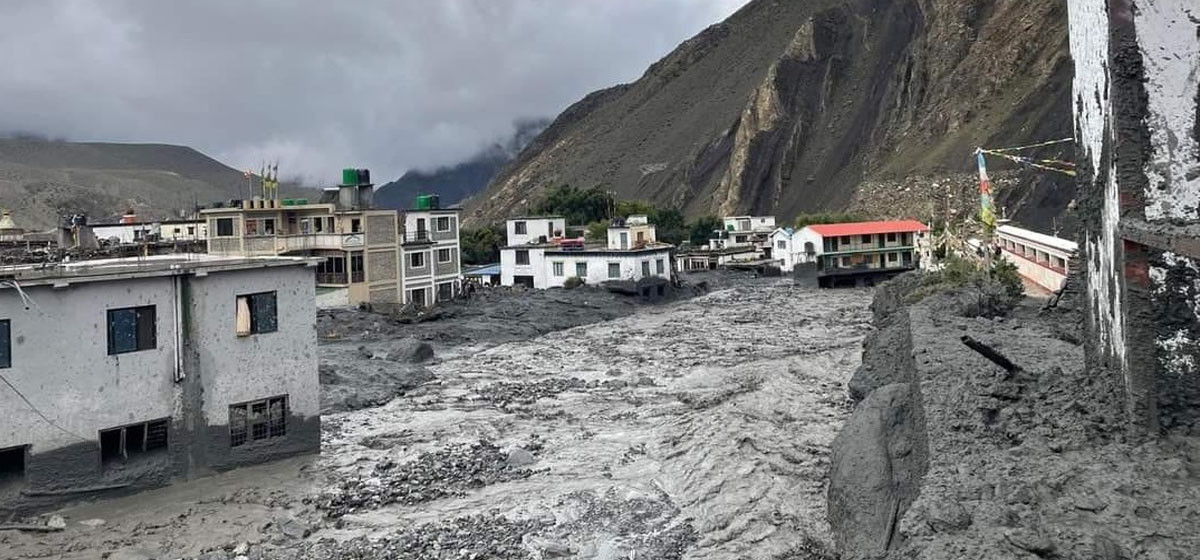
860 253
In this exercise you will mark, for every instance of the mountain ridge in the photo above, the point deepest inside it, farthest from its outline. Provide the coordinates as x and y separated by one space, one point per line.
787 107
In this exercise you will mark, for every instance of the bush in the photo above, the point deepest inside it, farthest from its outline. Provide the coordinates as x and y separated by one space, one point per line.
825 218
573 282
984 296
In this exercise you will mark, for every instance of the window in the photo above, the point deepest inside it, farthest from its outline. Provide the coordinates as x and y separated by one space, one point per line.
355 225
417 297
128 442
416 260
614 270
356 266
558 269
12 464
892 257
866 239
891 237
522 256
191 230
581 269
781 244
224 227
5 344
660 266
445 291
444 255
257 420
256 313
318 224
519 228
845 262
131 329
645 268
262 226
442 223
845 240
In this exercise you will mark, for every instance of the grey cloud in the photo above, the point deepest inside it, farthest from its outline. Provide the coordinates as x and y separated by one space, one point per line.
320 85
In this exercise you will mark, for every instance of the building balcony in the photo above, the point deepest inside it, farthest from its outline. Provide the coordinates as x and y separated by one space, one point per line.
312 241
419 237
331 278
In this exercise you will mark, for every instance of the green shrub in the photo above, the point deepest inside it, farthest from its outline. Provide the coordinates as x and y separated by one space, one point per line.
573 282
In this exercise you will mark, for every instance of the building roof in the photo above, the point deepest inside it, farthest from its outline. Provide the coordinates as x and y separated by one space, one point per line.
535 218
1040 238
65 273
868 228
485 270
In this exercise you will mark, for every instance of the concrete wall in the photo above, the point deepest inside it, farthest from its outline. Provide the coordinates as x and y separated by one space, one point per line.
534 228
60 362
541 266
230 369
1137 116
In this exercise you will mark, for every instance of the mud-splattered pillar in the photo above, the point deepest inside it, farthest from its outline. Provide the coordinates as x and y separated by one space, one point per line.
1137 120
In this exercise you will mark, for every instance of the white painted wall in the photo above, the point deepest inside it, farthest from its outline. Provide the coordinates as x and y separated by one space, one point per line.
534 228
541 266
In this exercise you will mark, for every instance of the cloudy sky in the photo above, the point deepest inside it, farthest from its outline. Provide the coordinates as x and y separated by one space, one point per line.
321 84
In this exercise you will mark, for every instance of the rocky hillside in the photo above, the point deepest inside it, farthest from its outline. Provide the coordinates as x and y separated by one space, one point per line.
453 183
788 106
40 181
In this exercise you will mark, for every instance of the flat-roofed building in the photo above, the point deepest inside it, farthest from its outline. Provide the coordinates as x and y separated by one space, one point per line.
121 374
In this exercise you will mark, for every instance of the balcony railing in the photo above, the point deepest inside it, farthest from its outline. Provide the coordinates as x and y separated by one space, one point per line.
419 236
304 242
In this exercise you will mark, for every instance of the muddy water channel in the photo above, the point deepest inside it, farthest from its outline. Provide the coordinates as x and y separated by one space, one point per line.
700 429
695 429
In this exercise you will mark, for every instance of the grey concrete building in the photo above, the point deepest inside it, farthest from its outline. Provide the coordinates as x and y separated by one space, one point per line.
122 374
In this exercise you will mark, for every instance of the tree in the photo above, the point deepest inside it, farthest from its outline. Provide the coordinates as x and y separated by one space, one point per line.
700 229
482 245
578 206
597 231
670 225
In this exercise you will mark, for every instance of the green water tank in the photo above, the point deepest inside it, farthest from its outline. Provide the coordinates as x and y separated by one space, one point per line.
425 202
349 176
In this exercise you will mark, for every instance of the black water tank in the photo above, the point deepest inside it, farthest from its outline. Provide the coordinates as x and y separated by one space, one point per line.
364 176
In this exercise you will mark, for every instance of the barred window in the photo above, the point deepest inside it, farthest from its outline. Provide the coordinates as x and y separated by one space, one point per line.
257 420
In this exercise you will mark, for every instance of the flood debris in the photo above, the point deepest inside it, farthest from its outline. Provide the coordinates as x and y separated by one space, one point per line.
452 471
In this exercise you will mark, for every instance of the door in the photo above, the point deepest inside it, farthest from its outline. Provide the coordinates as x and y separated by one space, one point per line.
624 240
421 233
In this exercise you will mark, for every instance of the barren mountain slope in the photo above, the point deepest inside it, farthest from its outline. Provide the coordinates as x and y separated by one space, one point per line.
40 181
788 105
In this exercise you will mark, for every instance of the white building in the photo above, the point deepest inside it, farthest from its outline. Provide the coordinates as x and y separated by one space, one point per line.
791 247
130 373
1042 259
165 230
537 256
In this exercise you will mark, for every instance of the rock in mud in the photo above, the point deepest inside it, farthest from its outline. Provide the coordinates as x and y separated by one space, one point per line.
878 461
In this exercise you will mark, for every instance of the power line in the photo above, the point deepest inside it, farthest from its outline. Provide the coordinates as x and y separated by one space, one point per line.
39 413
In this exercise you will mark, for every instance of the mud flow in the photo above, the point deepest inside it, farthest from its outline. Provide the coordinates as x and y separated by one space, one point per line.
694 429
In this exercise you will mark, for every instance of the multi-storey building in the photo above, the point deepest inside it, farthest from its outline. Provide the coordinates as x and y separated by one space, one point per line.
129 373
539 256
432 252
852 254
368 254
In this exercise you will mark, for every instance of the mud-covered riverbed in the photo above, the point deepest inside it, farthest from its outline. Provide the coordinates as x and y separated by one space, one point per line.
698 429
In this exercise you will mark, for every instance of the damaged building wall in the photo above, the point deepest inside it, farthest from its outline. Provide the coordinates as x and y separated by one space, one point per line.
1137 116
169 400
255 367
61 364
